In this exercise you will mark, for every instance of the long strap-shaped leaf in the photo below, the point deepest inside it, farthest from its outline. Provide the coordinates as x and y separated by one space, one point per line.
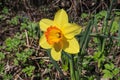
84 41
56 65
86 36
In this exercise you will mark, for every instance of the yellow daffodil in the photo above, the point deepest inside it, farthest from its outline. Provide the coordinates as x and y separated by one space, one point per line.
59 35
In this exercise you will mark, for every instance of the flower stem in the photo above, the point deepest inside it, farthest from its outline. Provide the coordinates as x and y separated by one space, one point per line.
72 70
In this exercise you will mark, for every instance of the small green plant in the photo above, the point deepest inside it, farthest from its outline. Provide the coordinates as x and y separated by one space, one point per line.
3 74
7 77
23 56
5 10
101 15
110 71
12 44
29 70
84 15
14 20
31 27
115 27
1 68
2 55
1 17
99 57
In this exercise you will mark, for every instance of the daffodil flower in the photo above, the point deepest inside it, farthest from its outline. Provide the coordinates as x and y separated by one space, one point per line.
59 35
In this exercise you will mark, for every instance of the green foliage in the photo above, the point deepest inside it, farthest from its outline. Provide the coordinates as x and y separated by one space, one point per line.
3 73
115 27
65 67
117 13
107 74
91 77
31 27
86 62
1 17
110 71
23 56
12 44
101 15
7 77
50 66
14 20
1 68
109 66
5 10
99 57
84 15
23 26
2 55
65 62
47 78
29 70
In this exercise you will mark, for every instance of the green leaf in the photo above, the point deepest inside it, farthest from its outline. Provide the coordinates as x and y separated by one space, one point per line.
107 74
16 62
1 16
47 78
5 10
50 66
21 57
12 44
117 13
114 27
95 40
28 70
91 77
14 20
101 14
65 67
2 55
7 77
97 55
84 15
109 66
1 68
116 71
23 26
118 78
24 55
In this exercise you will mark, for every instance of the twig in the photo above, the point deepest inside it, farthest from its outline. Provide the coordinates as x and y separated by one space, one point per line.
27 40
39 58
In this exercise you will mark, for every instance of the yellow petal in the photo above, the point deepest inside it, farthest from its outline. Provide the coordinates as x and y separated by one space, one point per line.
70 30
56 55
45 23
61 18
43 42
73 46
